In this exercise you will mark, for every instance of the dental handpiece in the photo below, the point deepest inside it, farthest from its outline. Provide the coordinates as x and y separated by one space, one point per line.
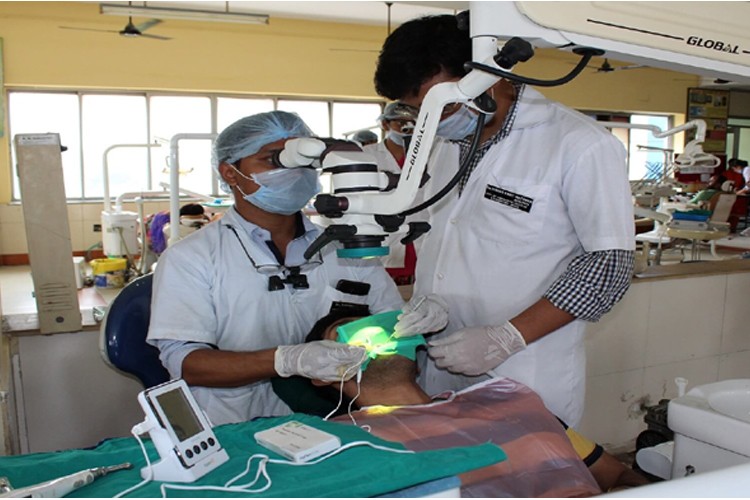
420 301
56 488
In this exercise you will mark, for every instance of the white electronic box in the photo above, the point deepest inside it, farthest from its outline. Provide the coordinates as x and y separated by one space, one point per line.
181 434
297 441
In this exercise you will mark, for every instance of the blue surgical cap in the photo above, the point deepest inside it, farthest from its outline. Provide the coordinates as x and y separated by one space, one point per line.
247 135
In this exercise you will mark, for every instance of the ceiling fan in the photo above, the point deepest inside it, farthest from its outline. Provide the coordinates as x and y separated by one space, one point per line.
606 67
130 30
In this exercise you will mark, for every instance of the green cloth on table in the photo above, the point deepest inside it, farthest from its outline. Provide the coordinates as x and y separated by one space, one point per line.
356 472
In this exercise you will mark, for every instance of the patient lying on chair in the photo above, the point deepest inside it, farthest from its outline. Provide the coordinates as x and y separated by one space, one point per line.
545 458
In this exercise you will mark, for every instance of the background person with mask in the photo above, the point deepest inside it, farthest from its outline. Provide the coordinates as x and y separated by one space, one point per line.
735 167
536 239
397 121
232 302
365 137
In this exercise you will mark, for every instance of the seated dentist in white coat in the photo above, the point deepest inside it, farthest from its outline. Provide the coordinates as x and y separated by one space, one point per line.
232 303
537 239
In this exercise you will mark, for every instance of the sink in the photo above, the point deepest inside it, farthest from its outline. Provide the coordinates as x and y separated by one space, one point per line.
733 403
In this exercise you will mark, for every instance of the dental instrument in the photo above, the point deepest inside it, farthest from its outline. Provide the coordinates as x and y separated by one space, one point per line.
61 486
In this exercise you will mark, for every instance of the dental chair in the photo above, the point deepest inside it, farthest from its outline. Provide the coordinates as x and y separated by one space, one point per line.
122 341
657 236
714 228
721 206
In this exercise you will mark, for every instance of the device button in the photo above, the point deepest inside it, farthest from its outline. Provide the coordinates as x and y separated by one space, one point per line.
204 445
211 441
188 453
197 449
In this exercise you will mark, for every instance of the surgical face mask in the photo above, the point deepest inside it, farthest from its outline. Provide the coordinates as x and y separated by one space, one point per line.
283 191
396 137
458 125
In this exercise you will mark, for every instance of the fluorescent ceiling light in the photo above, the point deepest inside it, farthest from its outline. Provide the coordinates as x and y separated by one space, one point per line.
181 13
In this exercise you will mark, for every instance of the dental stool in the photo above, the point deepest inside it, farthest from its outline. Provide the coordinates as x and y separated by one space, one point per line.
122 342
711 425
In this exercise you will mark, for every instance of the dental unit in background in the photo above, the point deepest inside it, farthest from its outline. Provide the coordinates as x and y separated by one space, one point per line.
121 228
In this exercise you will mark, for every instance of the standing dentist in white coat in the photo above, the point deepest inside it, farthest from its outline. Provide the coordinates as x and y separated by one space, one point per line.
537 239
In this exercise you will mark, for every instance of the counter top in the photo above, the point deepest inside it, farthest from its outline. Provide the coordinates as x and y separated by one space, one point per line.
694 268
19 313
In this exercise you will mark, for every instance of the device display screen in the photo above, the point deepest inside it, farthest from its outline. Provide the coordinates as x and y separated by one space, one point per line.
180 415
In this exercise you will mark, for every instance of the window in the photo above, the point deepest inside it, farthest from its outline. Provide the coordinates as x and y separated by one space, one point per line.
647 156
107 120
91 123
349 117
314 113
172 115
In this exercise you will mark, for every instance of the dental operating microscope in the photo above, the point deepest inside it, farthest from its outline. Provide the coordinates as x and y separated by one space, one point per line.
363 207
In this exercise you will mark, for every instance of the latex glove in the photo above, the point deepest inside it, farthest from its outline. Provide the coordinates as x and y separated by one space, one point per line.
424 314
325 360
476 350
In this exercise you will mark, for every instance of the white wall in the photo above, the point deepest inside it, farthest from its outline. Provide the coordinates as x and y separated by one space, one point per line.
694 327
81 218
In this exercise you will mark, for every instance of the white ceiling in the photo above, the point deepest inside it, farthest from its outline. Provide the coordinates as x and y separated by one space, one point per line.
361 12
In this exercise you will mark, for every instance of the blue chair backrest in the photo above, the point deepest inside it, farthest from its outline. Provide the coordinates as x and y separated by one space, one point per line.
124 333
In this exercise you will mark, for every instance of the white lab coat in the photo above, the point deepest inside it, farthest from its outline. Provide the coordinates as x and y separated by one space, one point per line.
206 290
568 181
746 176
386 161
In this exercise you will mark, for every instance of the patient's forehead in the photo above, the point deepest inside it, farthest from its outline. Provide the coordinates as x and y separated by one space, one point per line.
330 332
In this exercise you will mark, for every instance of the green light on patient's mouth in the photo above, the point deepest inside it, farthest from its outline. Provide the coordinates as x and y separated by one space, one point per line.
374 339
375 334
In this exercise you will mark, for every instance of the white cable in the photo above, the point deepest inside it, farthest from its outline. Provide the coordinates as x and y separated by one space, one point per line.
341 387
247 469
147 479
341 399
262 470
351 403
242 488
